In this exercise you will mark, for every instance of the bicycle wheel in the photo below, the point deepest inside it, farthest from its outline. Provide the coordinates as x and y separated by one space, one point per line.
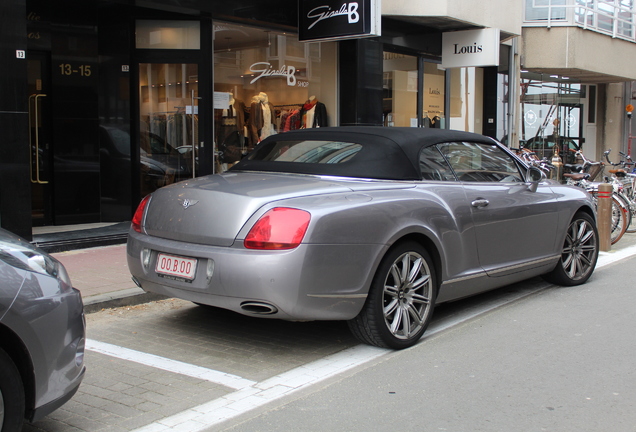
631 205
624 203
619 219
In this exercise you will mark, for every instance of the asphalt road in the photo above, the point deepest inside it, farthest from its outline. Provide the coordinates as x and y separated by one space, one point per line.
528 357
560 359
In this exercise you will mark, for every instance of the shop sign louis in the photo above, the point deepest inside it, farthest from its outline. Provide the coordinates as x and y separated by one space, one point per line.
321 20
470 48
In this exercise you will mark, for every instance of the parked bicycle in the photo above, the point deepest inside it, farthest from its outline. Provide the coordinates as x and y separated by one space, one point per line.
582 175
623 179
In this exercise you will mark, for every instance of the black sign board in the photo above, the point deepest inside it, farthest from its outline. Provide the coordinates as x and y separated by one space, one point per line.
321 20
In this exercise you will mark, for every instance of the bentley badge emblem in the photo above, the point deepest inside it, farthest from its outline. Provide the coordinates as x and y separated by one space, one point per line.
189 203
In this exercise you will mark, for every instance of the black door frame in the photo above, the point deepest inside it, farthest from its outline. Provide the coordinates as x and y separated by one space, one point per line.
203 58
41 165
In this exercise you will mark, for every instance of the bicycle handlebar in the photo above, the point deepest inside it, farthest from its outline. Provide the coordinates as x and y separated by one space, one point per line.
623 163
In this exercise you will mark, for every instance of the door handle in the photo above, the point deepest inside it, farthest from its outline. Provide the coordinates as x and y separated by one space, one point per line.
480 202
36 115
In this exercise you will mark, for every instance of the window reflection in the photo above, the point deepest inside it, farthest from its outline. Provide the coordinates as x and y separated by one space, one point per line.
322 152
476 162
433 165
169 127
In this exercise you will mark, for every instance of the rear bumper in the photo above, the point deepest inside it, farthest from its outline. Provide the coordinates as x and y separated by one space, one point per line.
311 282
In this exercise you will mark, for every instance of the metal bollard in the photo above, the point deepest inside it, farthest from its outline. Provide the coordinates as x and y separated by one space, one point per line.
604 216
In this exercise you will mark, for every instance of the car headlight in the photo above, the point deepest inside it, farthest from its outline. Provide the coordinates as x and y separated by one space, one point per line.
27 258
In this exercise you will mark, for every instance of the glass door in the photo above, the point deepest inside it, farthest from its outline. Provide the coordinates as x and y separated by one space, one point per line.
39 138
434 96
169 123
551 113
400 90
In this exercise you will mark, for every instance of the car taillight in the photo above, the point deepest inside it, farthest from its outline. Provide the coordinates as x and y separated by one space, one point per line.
279 228
139 214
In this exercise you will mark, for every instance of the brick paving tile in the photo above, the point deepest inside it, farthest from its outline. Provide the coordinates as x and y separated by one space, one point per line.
121 410
49 425
147 406
86 424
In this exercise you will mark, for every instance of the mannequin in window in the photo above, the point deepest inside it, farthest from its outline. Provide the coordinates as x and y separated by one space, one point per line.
252 129
426 121
233 117
261 118
231 131
269 116
313 113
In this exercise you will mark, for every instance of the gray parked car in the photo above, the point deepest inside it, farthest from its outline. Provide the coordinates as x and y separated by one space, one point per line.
367 224
42 331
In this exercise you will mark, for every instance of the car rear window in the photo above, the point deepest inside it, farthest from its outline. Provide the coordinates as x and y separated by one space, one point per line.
306 151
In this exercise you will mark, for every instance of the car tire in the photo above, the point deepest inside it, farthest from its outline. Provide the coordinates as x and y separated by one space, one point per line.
579 254
403 291
11 395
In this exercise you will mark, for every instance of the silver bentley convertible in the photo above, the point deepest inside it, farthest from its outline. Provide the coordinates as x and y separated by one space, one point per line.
371 225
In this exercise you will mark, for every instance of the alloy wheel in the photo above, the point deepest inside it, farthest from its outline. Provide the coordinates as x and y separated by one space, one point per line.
579 251
408 290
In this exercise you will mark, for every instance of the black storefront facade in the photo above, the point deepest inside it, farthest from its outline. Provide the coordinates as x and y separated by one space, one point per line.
102 102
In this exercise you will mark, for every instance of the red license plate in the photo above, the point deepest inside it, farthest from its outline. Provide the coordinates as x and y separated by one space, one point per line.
176 266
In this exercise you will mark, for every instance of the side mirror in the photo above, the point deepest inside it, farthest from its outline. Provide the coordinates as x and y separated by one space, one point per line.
533 177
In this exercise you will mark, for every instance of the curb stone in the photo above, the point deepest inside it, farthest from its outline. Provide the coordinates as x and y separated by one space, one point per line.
127 297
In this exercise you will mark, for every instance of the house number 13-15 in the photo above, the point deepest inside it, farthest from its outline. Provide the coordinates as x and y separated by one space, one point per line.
81 70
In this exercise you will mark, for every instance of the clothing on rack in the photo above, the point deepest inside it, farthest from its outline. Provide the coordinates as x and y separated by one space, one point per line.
289 118
293 122
173 129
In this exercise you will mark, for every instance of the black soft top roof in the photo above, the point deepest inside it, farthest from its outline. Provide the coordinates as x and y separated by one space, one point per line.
390 153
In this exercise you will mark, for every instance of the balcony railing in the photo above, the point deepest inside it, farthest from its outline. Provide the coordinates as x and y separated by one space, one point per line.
611 17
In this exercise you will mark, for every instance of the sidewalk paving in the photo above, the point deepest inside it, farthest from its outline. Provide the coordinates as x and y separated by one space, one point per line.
101 275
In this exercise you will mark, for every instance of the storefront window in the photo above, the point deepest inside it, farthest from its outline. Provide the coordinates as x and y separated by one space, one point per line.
551 110
168 34
433 96
168 123
266 82
399 90
467 99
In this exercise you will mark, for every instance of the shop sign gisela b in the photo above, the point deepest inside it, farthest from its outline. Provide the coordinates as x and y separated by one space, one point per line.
265 69
322 20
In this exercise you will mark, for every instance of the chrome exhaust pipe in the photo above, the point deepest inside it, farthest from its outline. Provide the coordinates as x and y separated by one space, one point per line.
259 308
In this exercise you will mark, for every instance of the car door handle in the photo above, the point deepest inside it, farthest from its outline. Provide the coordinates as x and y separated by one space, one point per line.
480 202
